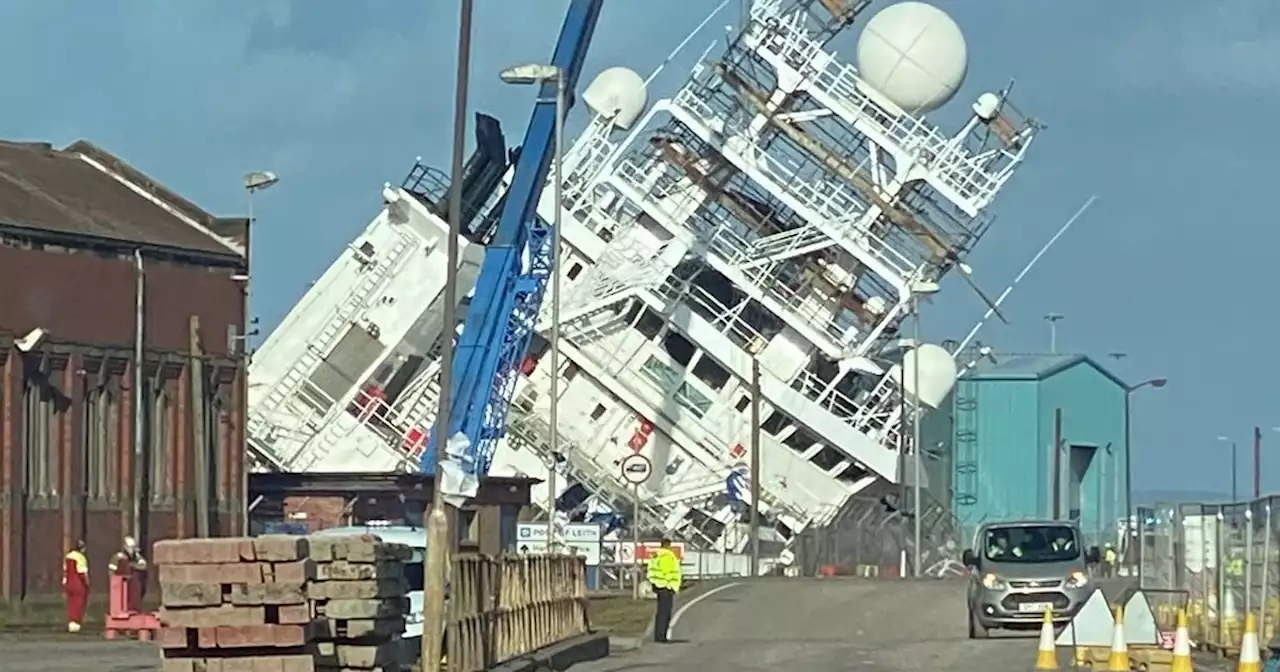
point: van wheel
(976, 631)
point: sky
(1161, 108)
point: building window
(159, 442)
(101, 438)
(41, 460)
(597, 412)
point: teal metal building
(992, 452)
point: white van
(413, 537)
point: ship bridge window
(853, 473)
(574, 271)
(679, 347)
(828, 458)
(801, 440)
(742, 404)
(668, 381)
(342, 368)
(649, 323)
(597, 412)
(776, 423)
(711, 373)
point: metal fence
(873, 536)
(1225, 560)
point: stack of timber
(282, 604)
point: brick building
(95, 441)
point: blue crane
(504, 309)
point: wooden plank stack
(282, 604)
(235, 605)
(360, 597)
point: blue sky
(1161, 108)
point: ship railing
(831, 202)
(946, 159)
(726, 320)
(586, 159)
(722, 241)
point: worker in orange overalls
(75, 585)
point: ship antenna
(1025, 269)
(685, 42)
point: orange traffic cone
(1047, 656)
(1250, 657)
(1118, 661)
(1181, 646)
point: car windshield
(1031, 543)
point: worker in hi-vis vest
(75, 585)
(664, 577)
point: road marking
(675, 618)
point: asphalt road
(813, 625)
(833, 624)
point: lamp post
(917, 289)
(1053, 319)
(436, 563)
(1128, 453)
(253, 183)
(1234, 461)
(540, 74)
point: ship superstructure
(777, 213)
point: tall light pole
(253, 183)
(540, 74)
(918, 289)
(436, 564)
(1053, 319)
(1128, 454)
(1234, 461)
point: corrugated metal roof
(46, 189)
(1033, 367)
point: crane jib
(504, 309)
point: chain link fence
(874, 536)
(1222, 559)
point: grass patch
(620, 615)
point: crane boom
(508, 295)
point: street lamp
(254, 182)
(539, 74)
(917, 289)
(1128, 454)
(1234, 460)
(1052, 319)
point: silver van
(1021, 569)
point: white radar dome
(619, 93)
(913, 54)
(937, 373)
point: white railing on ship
(735, 250)
(832, 203)
(950, 161)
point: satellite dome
(938, 373)
(913, 54)
(619, 93)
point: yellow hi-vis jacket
(664, 570)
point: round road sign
(636, 469)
